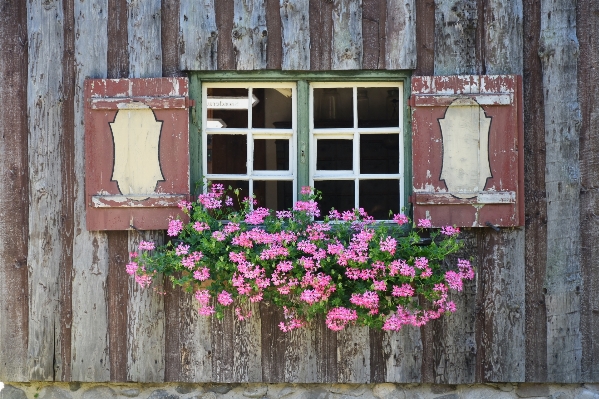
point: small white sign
(216, 124)
(230, 102)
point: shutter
(137, 152)
(467, 150)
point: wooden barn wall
(68, 310)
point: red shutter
(467, 150)
(137, 152)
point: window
(342, 134)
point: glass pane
(334, 154)
(379, 153)
(227, 153)
(338, 194)
(230, 186)
(273, 109)
(228, 108)
(378, 106)
(271, 154)
(333, 108)
(277, 195)
(378, 197)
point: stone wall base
(295, 391)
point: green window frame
(303, 81)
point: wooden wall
(69, 312)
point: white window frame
(252, 134)
(353, 134)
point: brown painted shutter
(467, 150)
(137, 152)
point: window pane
(334, 154)
(333, 108)
(378, 197)
(379, 153)
(338, 194)
(273, 109)
(277, 195)
(378, 107)
(230, 186)
(227, 153)
(223, 103)
(271, 154)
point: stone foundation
(295, 391)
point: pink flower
(388, 245)
(338, 318)
(400, 219)
(146, 245)
(182, 249)
(218, 236)
(200, 226)
(184, 205)
(202, 274)
(310, 296)
(306, 190)
(229, 201)
(454, 280)
(404, 290)
(225, 298)
(203, 297)
(420, 263)
(174, 227)
(284, 215)
(241, 316)
(466, 270)
(310, 207)
(424, 223)
(450, 231)
(131, 268)
(143, 280)
(379, 285)
(206, 310)
(369, 299)
(132, 254)
(257, 216)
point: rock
(348, 389)
(74, 386)
(184, 388)
(162, 394)
(51, 392)
(221, 388)
(442, 388)
(584, 394)
(450, 396)
(99, 393)
(532, 390)
(130, 393)
(10, 392)
(484, 392)
(208, 395)
(255, 391)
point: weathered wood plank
(295, 32)
(559, 57)
(425, 37)
(174, 306)
(501, 257)
(199, 35)
(274, 54)
(374, 17)
(347, 35)
(456, 30)
(587, 26)
(117, 281)
(353, 355)
(170, 34)
(325, 344)
(117, 288)
(143, 28)
(402, 353)
(90, 357)
(44, 108)
(222, 333)
(14, 193)
(145, 337)
(118, 51)
(62, 367)
(501, 347)
(249, 34)
(247, 345)
(145, 334)
(401, 34)
(224, 21)
(450, 344)
(535, 207)
(195, 340)
(321, 34)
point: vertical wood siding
(532, 313)
(14, 193)
(558, 51)
(90, 346)
(587, 26)
(44, 108)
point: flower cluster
(347, 266)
